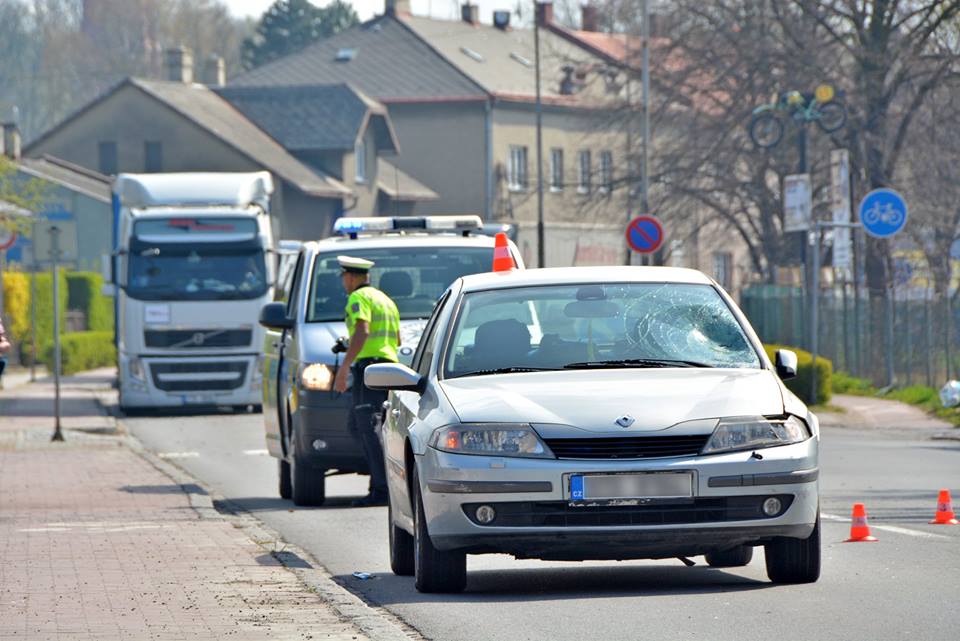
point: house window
(360, 155)
(723, 269)
(107, 158)
(556, 169)
(517, 168)
(152, 156)
(606, 171)
(583, 172)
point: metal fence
(852, 330)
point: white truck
(192, 265)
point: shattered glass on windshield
(594, 326)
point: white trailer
(192, 265)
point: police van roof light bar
(384, 224)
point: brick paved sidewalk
(96, 543)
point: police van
(416, 259)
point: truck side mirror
(274, 316)
(786, 364)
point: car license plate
(650, 485)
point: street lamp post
(541, 249)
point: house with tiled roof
(330, 148)
(461, 97)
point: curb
(377, 623)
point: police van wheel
(286, 484)
(308, 485)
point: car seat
(500, 343)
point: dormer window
(360, 156)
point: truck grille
(197, 338)
(198, 377)
(633, 447)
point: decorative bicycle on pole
(768, 123)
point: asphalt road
(904, 587)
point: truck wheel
(735, 558)
(434, 570)
(307, 485)
(794, 560)
(401, 547)
(286, 485)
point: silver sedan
(596, 413)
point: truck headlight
(317, 377)
(755, 432)
(490, 439)
(135, 367)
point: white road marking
(888, 528)
(178, 454)
(256, 452)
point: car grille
(634, 447)
(198, 377)
(669, 512)
(197, 338)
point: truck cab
(416, 260)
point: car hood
(316, 339)
(592, 400)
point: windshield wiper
(504, 370)
(635, 362)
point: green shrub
(85, 295)
(800, 385)
(844, 383)
(916, 395)
(81, 351)
(16, 303)
(45, 308)
(17, 311)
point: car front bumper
(537, 519)
(322, 418)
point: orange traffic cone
(502, 260)
(944, 510)
(859, 530)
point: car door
(289, 360)
(272, 356)
(405, 407)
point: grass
(921, 396)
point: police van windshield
(414, 277)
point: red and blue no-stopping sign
(645, 234)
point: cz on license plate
(651, 485)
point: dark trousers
(364, 415)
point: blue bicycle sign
(883, 213)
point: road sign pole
(33, 309)
(55, 256)
(814, 309)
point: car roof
(373, 241)
(582, 275)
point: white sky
(368, 8)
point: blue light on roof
(347, 226)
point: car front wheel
(794, 560)
(434, 570)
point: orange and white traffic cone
(859, 530)
(944, 510)
(502, 260)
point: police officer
(374, 326)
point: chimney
(215, 71)
(394, 7)
(11, 141)
(544, 13)
(589, 18)
(470, 13)
(178, 64)
(501, 20)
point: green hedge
(800, 385)
(85, 295)
(81, 351)
(18, 309)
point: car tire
(401, 547)
(794, 560)
(733, 558)
(307, 485)
(434, 570)
(286, 484)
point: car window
(428, 342)
(286, 270)
(573, 324)
(414, 277)
(295, 287)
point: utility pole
(645, 79)
(541, 249)
(55, 257)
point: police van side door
(287, 357)
(272, 354)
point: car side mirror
(274, 316)
(392, 376)
(786, 364)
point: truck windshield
(196, 271)
(414, 277)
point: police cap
(354, 265)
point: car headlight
(755, 432)
(490, 439)
(317, 377)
